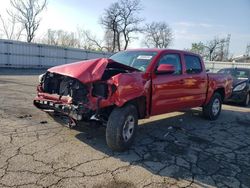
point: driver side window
(172, 59)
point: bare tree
(28, 13)
(110, 20)
(92, 42)
(122, 20)
(212, 46)
(198, 48)
(80, 39)
(158, 35)
(130, 19)
(88, 41)
(61, 38)
(11, 29)
(213, 50)
(108, 40)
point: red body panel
(129, 86)
(175, 92)
(217, 81)
(84, 71)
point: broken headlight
(100, 90)
(41, 78)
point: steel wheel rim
(216, 107)
(128, 128)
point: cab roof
(162, 50)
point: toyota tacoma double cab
(131, 85)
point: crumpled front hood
(89, 70)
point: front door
(167, 89)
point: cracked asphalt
(173, 150)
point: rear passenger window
(172, 59)
(193, 64)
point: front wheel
(121, 127)
(212, 110)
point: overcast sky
(191, 20)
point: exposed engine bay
(64, 86)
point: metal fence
(215, 66)
(30, 55)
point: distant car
(241, 85)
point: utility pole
(227, 43)
(248, 50)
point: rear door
(195, 81)
(167, 89)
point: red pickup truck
(131, 85)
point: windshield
(236, 73)
(137, 59)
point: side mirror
(165, 69)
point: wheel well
(140, 104)
(221, 91)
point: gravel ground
(174, 150)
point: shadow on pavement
(188, 148)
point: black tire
(246, 101)
(119, 119)
(208, 109)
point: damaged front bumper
(71, 110)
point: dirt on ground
(179, 149)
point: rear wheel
(212, 110)
(121, 127)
